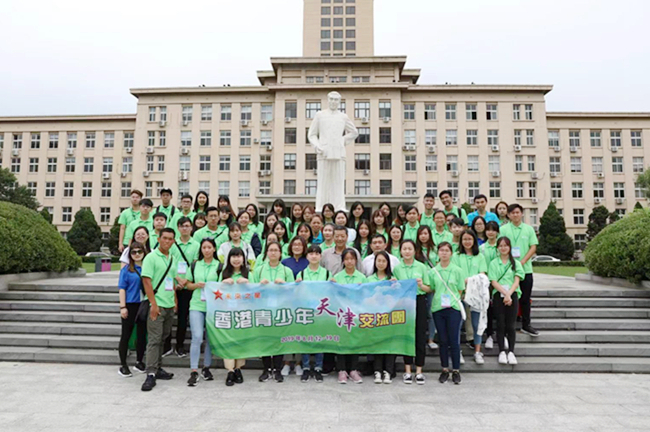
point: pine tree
(114, 237)
(12, 192)
(614, 217)
(638, 206)
(553, 239)
(467, 207)
(46, 215)
(597, 221)
(85, 235)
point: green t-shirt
(130, 229)
(324, 247)
(522, 237)
(170, 211)
(206, 232)
(375, 278)
(153, 239)
(383, 232)
(416, 270)
(153, 267)
(248, 235)
(257, 228)
(265, 271)
(411, 233)
(127, 216)
(308, 275)
(438, 238)
(343, 278)
(202, 273)
(431, 254)
(191, 251)
(452, 275)
(504, 275)
(428, 221)
(173, 224)
(489, 252)
(471, 265)
(395, 251)
(459, 212)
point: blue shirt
(296, 266)
(318, 239)
(489, 216)
(131, 283)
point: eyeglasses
(137, 252)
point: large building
(250, 142)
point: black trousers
(347, 362)
(272, 362)
(421, 328)
(489, 331)
(385, 362)
(183, 314)
(526, 286)
(506, 320)
(127, 330)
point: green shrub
(85, 235)
(559, 264)
(622, 249)
(30, 244)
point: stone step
(587, 336)
(561, 312)
(590, 302)
(591, 292)
(591, 324)
(54, 328)
(526, 364)
(59, 341)
(67, 296)
(57, 285)
(32, 305)
(54, 316)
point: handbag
(463, 314)
(145, 305)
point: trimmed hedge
(559, 264)
(622, 249)
(85, 259)
(30, 244)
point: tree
(467, 207)
(638, 206)
(644, 181)
(553, 239)
(614, 217)
(12, 192)
(85, 235)
(597, 221)
(114, 237)
(46, 215)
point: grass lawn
(560, 271)
(90, 267)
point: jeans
(478, 338)
(526, 286)
(448, 322)
(127, 329)
(184, 297)
(432, 324)
(197, 323)
(157, 332)
(318, 359)
(506, 319)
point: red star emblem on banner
(218, 295)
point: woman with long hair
(248, 233)
(140, 235)
(362, 242)
(328, 213)
(341, 219)
(379, 224)
(269, 222)
(478, 226)
(502, 212)
(400, 218)
(387, 211)
(200, 220)
(395, 237)
(280, 209)
(202, 202)
(224, 201)
(296, 217)
(384, 364)
(256, 225)
(235, 241)
(356, 214)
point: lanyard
(516, 238)
(273, 272)
(408, 269)
(207, 269)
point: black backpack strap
(327, 275)
(219, 269)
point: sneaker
(433, 345)
(239, 378)
(168, 352)
(206, 374)
(124, 372)
(444, 377)
(407, 378)
(266, 375)
(489, 343)
(387, 379)
(140, 367)
(470, 345)
(343, 377)
(277, 376)
(478, 358)
(298, 370)
(162, 374)
(378, 379)
(318, 376)
(462, 359)
(286, 370)
(511, 358)
(356, 377)
(503, 358)
(455, 377)
(149, 382)
(194, 379)
(530, 330)
(230, 379)
(506, 344)
(180, 352)
(419, 379)
(305, 375)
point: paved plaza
(65, 397)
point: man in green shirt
(448, 202)
(144, 220)
(426, 218)
(129, 215)
(524, 246)
(212, 228)
(167, 207)
(159, 222)
(186, 211)
(158, 273)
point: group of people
(470, 268)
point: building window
(107, 189)
(205, 162)
(495, 189)
(224, 164)
(519, 163)
(151, 138)
(431, 163)
(555, 165)
(491, 111)
(597, 165)
(244, 188)
(385, 109)
(410, 163)
(128, 139)
(265, 188)
(635, 137)
(224, 138)
(107, 164)
(311, 163)
(517, 137)
(290, 161)
(361, 110)
(409, 137)
(325, 10)
(385, 161)
(617, 164)
(493, 137)
(290, 136)
(18, 141)
(245, 138)
(90, 140)
(127, 164)
(451, 137)
(226, 112)
(54, 140)
(530, 137)
(619, 190)
(310, 187)
(325, 34)
(163, 113)
(224, 187)
(68, 189)
(267, 112)
(578, 216)
(204, 186)
(580, 241)
(148, 189)
(311, 108)
(574, 138)
(291, 109)
(89, 164)
(452, 163)
(520, 189)
(265, 162)
(362, 161)
(472, 137)
(266, 138)
(384, 135)
(72, 140)
(244, 163)
(325, 22)
(150, 163)
(36, 140)
(70, 164)
(206, 138)
(452, 186)
(494, 163)
(206, 112)
(471, 112)
(186, 138)
(576, 190)
(33, 165)
(411, 188)
(87, 189)
(289, 187)
(187, 113)
(351, 34)
(450, 111)
(594, 137)
(432, 188)
(637, 165)
(50, 187)
(473, 189)
(472, 163)
(531, 163)
(109, 139)
(362, 187)
(349, 22)
(66, 214)
(364, 136)
(152, 114)
(516, 112)
(162, 138)
(639, 191)
(529, 111)
(615, 138)
(553, 138)
(532, 189)
(599, 190)
(556, 190)
(409, 111)
(385, 187)
(246, 112)
(576, 164)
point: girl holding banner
(383, 362)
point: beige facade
(250, 143)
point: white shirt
(369, 263)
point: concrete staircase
(584, 327)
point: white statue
(330, 131)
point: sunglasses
(137, 252)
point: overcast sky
(81, 57)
